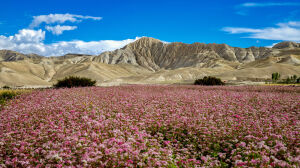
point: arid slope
(149, 61)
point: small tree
(209, 80)
(288, 80)
(74, 81)
(275, 76)
(294, 79)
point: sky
(58, 27)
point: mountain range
(151, 61)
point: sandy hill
(149, 60)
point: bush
(209, 81)
(7, 95)
(275, 76)
(290, 80)
(74, 81)
(5, 87)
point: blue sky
(58, 27)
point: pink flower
(152, 126)
(204, 159)
(240, 163)
(167, 142)
(242, 144)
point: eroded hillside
(149, 60)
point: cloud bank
(31, 41)
(243, 9)
(289, 31)
(59, 18)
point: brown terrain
(150, 61)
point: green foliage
(74, 81)
(294, 78)
(289, 80)
(209, 80)
(172, 165)
(275, 76)
(7, 95)
(224, 164)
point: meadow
(153, 126)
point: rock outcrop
(287, 45)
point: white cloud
(59, 18)
(26, 36)
(252, 4)
(291, 23)
(285, 31)
(58, 29)
(31, 41)
(26, 41)
(243, 9)
(82, 47)
(235, 30)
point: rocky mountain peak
(147, 40)
(154, 54)
(287, 45)
(143, 42)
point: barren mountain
(149, 60)
(154, 54)
(7, 55)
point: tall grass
(8, 94)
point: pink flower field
(153, 126)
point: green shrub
(275, 76)
(74, 81)
(289, 80)
(7, 95)
(294, 79)
(209, 80)
(6, 87)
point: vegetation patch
(8, 94)
(209, 80)
(74, 81)
(289, 80)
